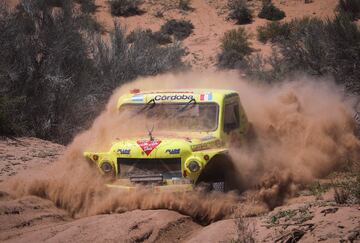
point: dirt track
(34, 219)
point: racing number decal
(148, 145)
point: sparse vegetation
(316, 188)
(350, 8)
(273, 31)
(347, 189)
(356, 187)
(159, 14)
(340, 195)
(185, 5)
(312, 46)
(240, 11)
(125, 7)
(56, 72)
(87, 6)
(157, 37)
(244, 234)
(10, 124)
(270, 12)
(235, 47)
(180, 29)
(290, 216)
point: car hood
(162, 146)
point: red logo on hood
(148, 146)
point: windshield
(188, 116)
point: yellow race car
(185, 146)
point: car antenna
(150, 133)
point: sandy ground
(23, 154)
(209, 18)
(210, 21)
(34, 219)
(303, 219)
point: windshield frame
(182, 103)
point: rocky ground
(304, 218)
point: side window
(231, 117)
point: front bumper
(168, 186)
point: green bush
(356, 188)
(181, 29)
(125, 7)
(161, 38)
(273, 31)
(350, 7)
(54, 3)
(240, 12)
(235, 47)
(11, 123)
(157, 37)
(315, 47)
(87, 6)
(51, 64)
(184, 5)
(270, 12)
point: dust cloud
(304, 130)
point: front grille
(168, 168)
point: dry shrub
(244, 234)
(350, 8)
(51, 63)
(240, 12)
(185, 5)
(235, 46)
(87, 6)
(340, 195)
(125, 7)
(313, 46)
(180, 29)
(273, 32)
(270, 12)
(156, 37)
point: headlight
(106, 167)
(194, 166)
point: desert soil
(304, 218)
(34, 219)
(210, 21)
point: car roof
(175, 95)
(194, 91)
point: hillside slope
(209, 18)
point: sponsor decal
(173, 151)
(207, 138)
(138, 97)
(207, 145)
(173, 97)
(123, 151)
(206, 97)
(148, 145)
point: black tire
(219, 175)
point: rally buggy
(184, 145)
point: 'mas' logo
(173, 97)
